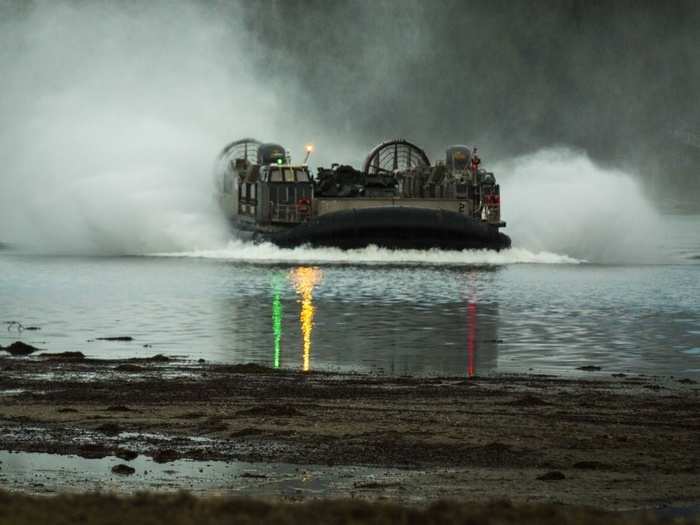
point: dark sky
(613, 78)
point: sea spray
(266, 253)
(558, 200)
(111, 117)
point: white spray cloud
(560, 201)
(111, 118)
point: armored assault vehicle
(398, 199)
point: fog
(113, 113)
(617, 80)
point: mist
(559, 200)
(615, 80)
(113, 113)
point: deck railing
(284, 213)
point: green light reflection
(277, 282)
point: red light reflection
(471, 339)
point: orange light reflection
(305, 278)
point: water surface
(389, 317)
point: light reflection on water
(276, 318)
(392, 319)
(304, 280)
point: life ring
(304, 206)
(492, 199)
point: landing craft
(398, 200)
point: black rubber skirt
(395, 227)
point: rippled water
(455, 314)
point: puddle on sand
(46, 473)
(12, 392)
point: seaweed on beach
(182, 508)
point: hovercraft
(397, 200)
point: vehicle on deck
(397, 200)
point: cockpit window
(288, 175)
(302, 176)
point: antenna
(309, 148)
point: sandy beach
(609, 441)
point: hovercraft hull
(394, 227)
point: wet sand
(611, 442)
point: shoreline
(615, 443)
